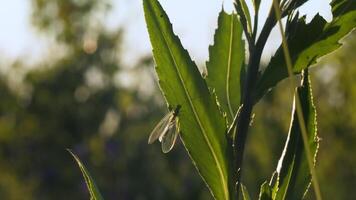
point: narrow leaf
(293, 170)
(225, 63)
(93, 189)
(308, 42)
(247, 15)
(265, 192)
(202, 127)
(245, 194)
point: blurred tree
(69, 20)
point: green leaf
(265, 192)
(244, 12)
(245, 194)
(247, 15)
(202, 127)
(93, 189)
(293, 169)
(225, 63)
(308, 42)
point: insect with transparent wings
(166, 131)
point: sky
(194, 21)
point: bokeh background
(78, 74)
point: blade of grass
(298, 104)
(91, 186)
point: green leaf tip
(265, 192)
(89, 181)
(245, 16)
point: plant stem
(248, 98)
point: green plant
(215, 109)
(210, 103)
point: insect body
(166, 131)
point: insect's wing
(169, 139)
(159, 128)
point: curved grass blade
(202, 127)
(226, 60)
(93, 189)
(308, 42)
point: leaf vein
(229, 66)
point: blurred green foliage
(77, 101)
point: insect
(166, 131)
